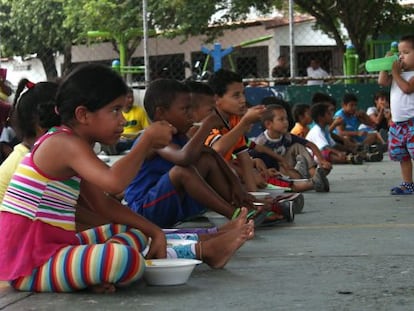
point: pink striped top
(37, 216)
(38, 197)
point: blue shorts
(164, 206)
(401, 141)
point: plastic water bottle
(384, 63)
(380, 64)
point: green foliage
(115, 16)
(31, 26)
(363, 19)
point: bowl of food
(260, 195)
(166, 272)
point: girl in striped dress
(40, 249)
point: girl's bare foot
(218, 251)
(104, 288)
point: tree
(363, 19)
(34, 27)
(123, 19)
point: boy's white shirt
(401, 104)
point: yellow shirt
(136, 120)
(8, 167)
(300, 130)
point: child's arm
(63, 155)
(246, 165)
(227, 141)
(385, 78)
(343, 132)
(115, 212)
(406, 86)
(318, 154)
(191, 152)
(266, 150)
(364, 118)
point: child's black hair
(221, 79)
(349, 97)
(408, 38)
(319, 97)
(268, 114)
(198, 87)
(380, 94)
(319, 110)
(34, 107)
(161, 93)
(299, 111)
(93, 86)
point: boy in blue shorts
(401, 132)
(183, 179)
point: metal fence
(251, 49)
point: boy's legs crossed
(211, 171)
(298, 149)
(188, 182)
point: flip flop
(272, 219)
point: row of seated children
(76, 171)
(340, 133)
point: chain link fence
(251, 49)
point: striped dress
(37, 216)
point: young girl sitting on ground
(34, 111)
(40, 248)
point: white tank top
(402, 105)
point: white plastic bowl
(165, 272)
(259, 194)
(178, 242)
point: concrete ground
(351, 249)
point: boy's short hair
(320, 97)
(161, 93)
(349, 97)
(408, 38)
(268, 113)
(319, 110)
(219, 80)
(299, 110)
(381, 94)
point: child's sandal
(403, 189)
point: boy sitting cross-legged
(320, 135)
(293, 148)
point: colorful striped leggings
(107, 254)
